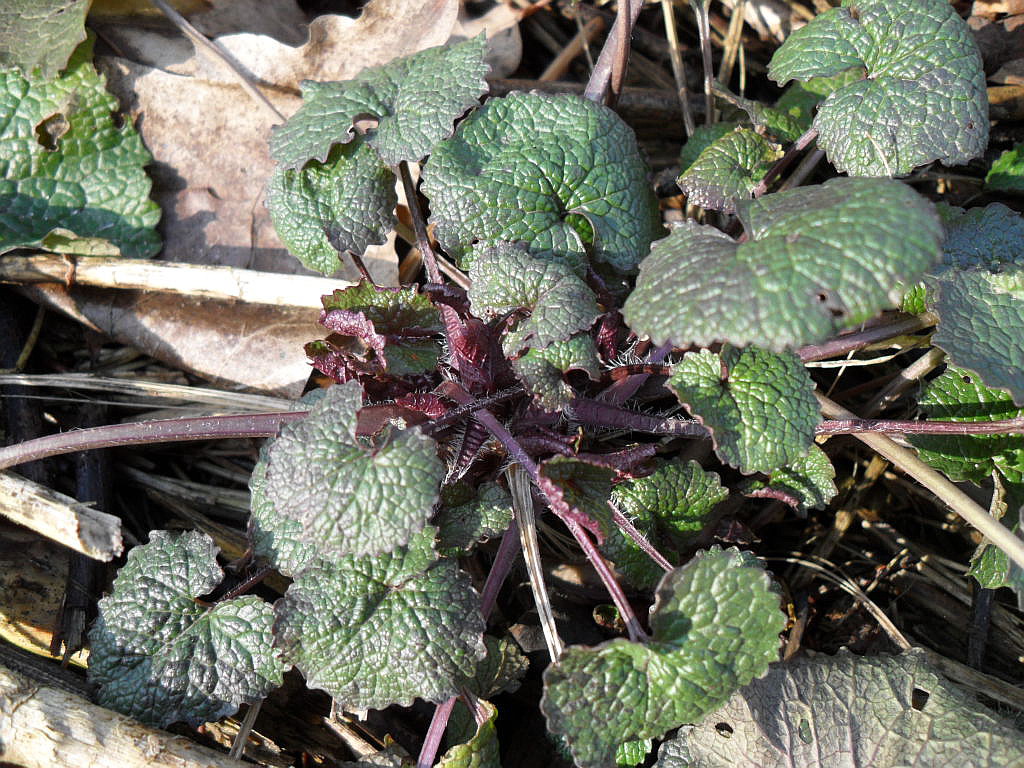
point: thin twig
(419, 224)
(560, 64)
(850, 342)
(952, 496)
(678, 66)
(700, 8)
(212, 48)
(906, 379)
(733, 42)
(854, 426)
(238, 743)
(806, 167)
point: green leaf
(978, 294)
(669, 507)
(469, 516)
(399, 327)
(161, 656)
(376, 631)
(759, 405)
(1007, 172)
(415, 101)
(959, 395)
(542, 370)
(66, 165)
(39, 36)
(499, 671)
(809, 481)
(481, 751)
(557, 172)
(816, 259)
(823, 711)
(922, 95)
(323, 209)
(989, 564)
(584, 487)
(632, 753)
(715, 623)
(556, 301)
(703, 137)
(274, 537)
(350, 498)
(728, 170)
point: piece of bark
(60, 517)
(41, 726)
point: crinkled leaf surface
(978, 294)
(160, 656)
(816, 259)
(922, 97)
(481, 751)
(274, 537)
(703, 137)
(584, 487)
(499, 671)
(715, 627)
(399, 325)
(323, 209)
(631, 753)
(469, 516)
(556, 301)
(38, 36)
(557, 172)
(809, 481)
(352, 498)
(728, 170)
(759, 405)
(826, 711)
(959, 395)
(669, 507)
(66, 165)
(415, 101)
(1007, 172)
(375, 631)
(542, 370)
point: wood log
(41, 727)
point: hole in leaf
(724, 730)
(967, 380)
(919, 698)
(365, 123)
(50, 130)
(804, 730)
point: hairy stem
(785, 161)
(956, 499)
(600, 414)
(851, 342)
(145, 432)
(638, 538)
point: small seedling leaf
(376, 631)
(922, 96)
(759, 405)
(556, 302)
(816, 259)
(469, 516)
(715, 622)
(324, 209)
(557, 172)
(728, 170)
(352, 498)
(543, 370)
(809, 481)
(669, 507)
(1007, 172)
(414, 100)
(161, 656)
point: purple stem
(623, 389)
(518, 455)
(503, 559)
(895, 427)
(601, 414)
(850, 342)
(434, 733)
(144, 432)
(638, 538)
(785, 161)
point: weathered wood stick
(59, 517)
(41, 727)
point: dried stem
(700, 8)
(597, 85)
(419, 224)
(956, 499)
(851, 342)
(678, 66)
